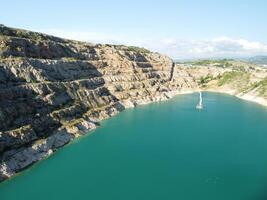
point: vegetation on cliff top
(229, 77)
(21, 33)
(217, 63)
(138, 49)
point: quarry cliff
(53, 90)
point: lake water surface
(161, 151)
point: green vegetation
(218, 63)
(206, 79)
(225, 63)
(262, 87)
(228, 77)
(138, 49)
(20, 33)
(5, 31)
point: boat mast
(200, 98)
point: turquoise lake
(161, 151)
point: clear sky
(179, 28)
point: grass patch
(228, 77)
(218, 63)
(205, 79)
(262, 85)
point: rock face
(53, 90)
(244, 80)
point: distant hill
(258, 60)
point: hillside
(53, 90)
(243, 79)
(262, 60)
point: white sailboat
(200, 105)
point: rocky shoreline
(26, 156)
(53, 90)
(244, 96)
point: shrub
(138, 49)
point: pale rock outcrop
(53, 90)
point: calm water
(160, 151)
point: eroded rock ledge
(53, 90)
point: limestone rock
(53, 90)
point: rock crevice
(53, 90)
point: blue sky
(178, 28)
